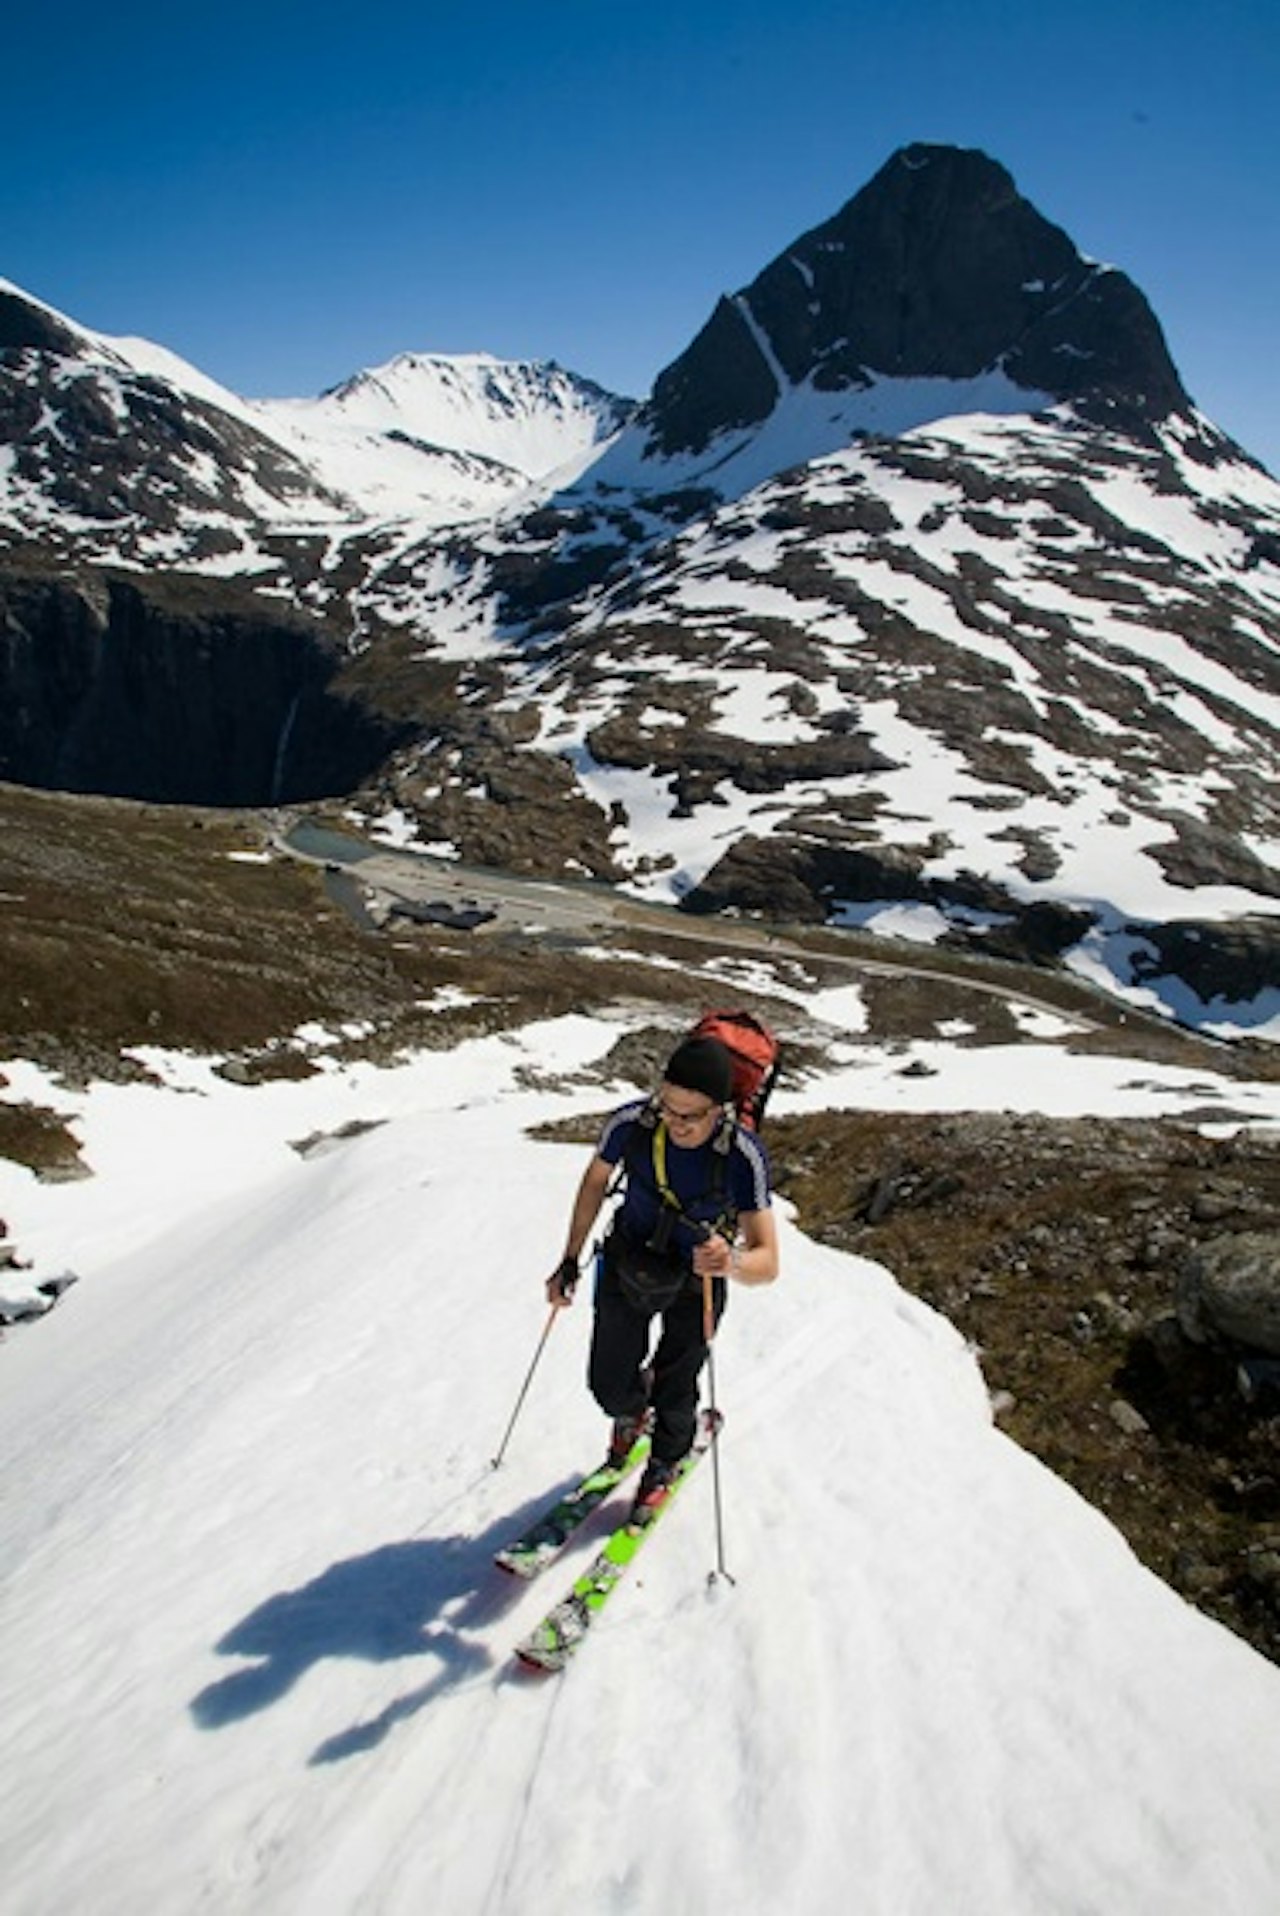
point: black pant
(620, 1349)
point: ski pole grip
(567, 1277)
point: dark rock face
(937, 268)
(123, 689)
(787, 877)
(25, 327)
(697, 760)
(720, 381)
(1232, 961)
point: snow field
(256, 1658)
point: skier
(695, 1212)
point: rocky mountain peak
(937, 269)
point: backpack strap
(716, 1190)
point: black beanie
(702, 1064)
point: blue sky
(285, 193)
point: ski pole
(709, 1332)
(524, 1388)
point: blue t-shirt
(707, 1183)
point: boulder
(1230, 1287)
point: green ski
(551, 1643)
(547, 1536)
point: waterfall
(282, 747)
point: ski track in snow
(256, 1657)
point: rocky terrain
(1064, 1250)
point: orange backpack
(754, 1053)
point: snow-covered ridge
(142, 356)
(257, 1656)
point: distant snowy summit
(527, 414)
(464, 430)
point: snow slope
(805, 423)
(255, 1657)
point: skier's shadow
(419, 1597)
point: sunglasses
(676, 1115)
